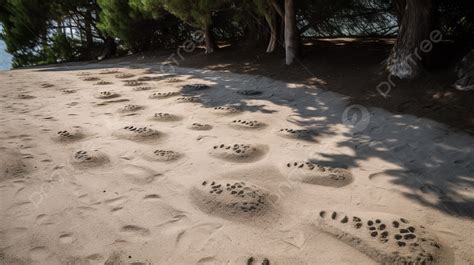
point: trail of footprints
(310, 173)
(188, 100)
(300, 134)
(386, 238)
(244, 124)
(162, 95)
(229, 110)
(383, 237)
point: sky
(5, 58)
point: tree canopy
(52, 31)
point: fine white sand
(244, 170)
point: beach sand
(122, 164)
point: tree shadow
(431, 159)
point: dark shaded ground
(353, 68)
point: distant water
(5, 58)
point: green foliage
(62, 49)
(24, 23)
(140, 25)
(39, 31)
(197, 13)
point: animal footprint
(68, 91)
(159, 95)
(253, 261)
(137, 133)
(165, 117)
(166, 155)
(163, 155)
(68, 136)
(108, 71)
(200, 127)
(296, 134)
(230, 199)
(195, 87)
(124, 76)
(89, 159)
(173, 80)
(241, 153)
(142, 88)
(243, 124)
(12, 165)
(102, 83)
(106, 95)
(227, 110)
(188, 100)
(133, 83)
(386, 238)
(130, 108)
(90, 78)
(310, 173)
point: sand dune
(103, 166)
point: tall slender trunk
(110, 48)
(291, 33)
(399, 6)
(405, 60)
(273, 24)
(88, 28)
(209, 39)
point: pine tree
(197, 13)
(120, 20)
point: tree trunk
(291, 33)
(399, 6)
(88, 28)
(273, 24)
(405, 60)
(110, 48)
(209, 39)
(465, 71)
